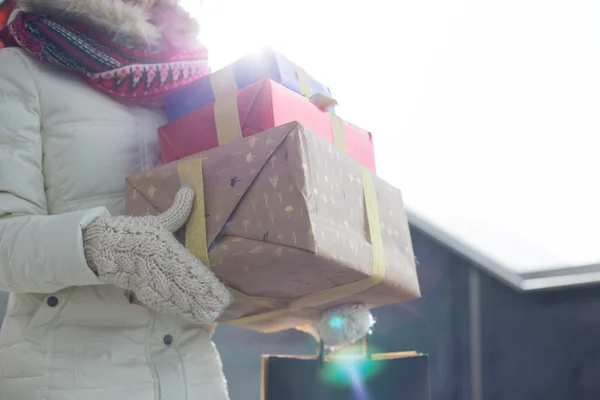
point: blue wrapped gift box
(246, 71)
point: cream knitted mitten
(140, 254)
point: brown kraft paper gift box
(292, 225)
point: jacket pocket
(43, 319)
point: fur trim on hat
(128, 20)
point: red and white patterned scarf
(138, 75)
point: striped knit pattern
(143, 76)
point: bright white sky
(486, 113)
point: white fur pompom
(344, 325)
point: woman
(81, 84)
(66, 145)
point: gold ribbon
(304, 79)
(339, 133)
(265, 301)
(190, 174)
(226, 111)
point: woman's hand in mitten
(140, 254)
(342, 325)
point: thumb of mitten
(178, 214)
(172, 219)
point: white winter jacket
(65, 150)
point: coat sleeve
(39, 253)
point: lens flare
(336, 322)
(349, 368)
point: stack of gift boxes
(289, 213)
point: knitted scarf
(141, 76)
